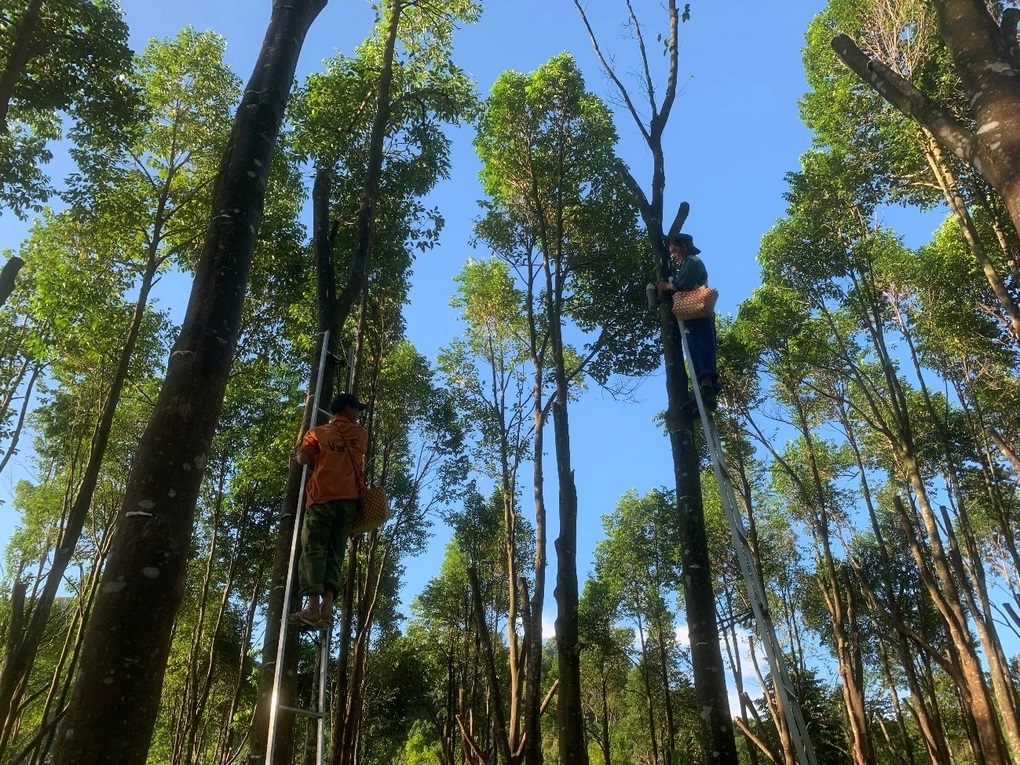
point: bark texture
(113, 707)
(7, 277)
(985, 58)
(19, 56)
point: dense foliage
(870, 414)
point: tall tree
(709, 679)
(487, 370)
(640, 566)
(127, 641)
(829, 252)
(177, 144)
(604, 664)
(548, 167)
(909, 163)
(386, 157)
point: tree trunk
(206, 685)
(63, 675)
(931, 733)
(12, 447)
(325, 312)
(604, 719)
(15, 639)
(333, 311)
(926, 543)
(646, 679)
(669, 740)
(21, 53)
(951, 192)
(23, 658)
(228, 744)
(839, 599)
(717, 738)
(970, 572)
(570, 715)
(533, 633)
(971, 680)
(980, 609)
(342, 686)
(7, 277)
(699, 596)
(489, 660)
(128, 639)
(981, 53)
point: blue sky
(733, 135)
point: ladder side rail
(755, 587)
(323, 652)
(766, 630)
(295, 538)
(281, 645)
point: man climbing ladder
(337, 452)
(690, 280)
(319, 577)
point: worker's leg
(343, 521)
(701, 341)
(315, 536)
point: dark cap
(684, 240)
(338, 403)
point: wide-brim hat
(344, 400)
(684, 240)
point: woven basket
(698, 303)
(373, 510)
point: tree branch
(635, 189)
(681, 217)
(612, 75)
(909, 100)
(470, 740)
(7, 277)
(549, 696)
(644, 58)
(658, 123)
(1008, 30)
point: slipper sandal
(300, 620)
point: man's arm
(309, 447)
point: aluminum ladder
(322, 634)
(755, 588)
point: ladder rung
(300, 711)
(306, 630)
(325, 413)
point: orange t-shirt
(334, 448)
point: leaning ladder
(755, 588)
(322, 636)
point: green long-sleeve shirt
(690, 274)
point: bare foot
(326, 610)
(310, 614)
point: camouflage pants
(324, 535)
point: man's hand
(665, 288)
(301, 458)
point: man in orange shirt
(337, 450)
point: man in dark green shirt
(691, 273)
